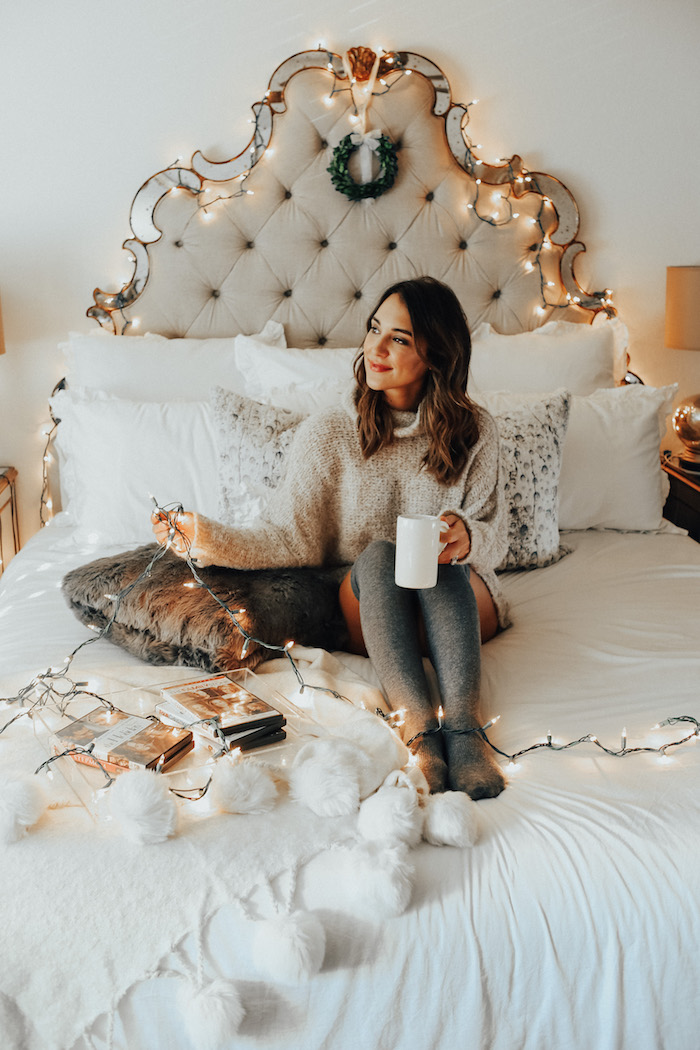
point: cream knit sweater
(332, 502)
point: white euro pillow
(580, 358)
(153, 368)
(298, 380)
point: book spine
(109, 767)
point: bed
(571, 918)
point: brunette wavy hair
(449, 417)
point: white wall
(96, 97)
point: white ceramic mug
(418, 544)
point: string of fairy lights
(494, 204)
(54, 687)
(499, 210)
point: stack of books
(118, 741)
(222, 712)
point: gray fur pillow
(163, 622)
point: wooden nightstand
(683, 503)
(9, 525)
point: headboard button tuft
(287, 194)
(391, 245)
(321, 340)
(215, 293)
(358, 294)
(496, 294)
(250, 244)
(287, 292)
(429, 196)
(324, 243)
(463, 245)
(178, 244)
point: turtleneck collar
(406, 424)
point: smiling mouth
(375, 367)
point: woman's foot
(430, 758)
(471, 766)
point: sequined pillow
(532, 430)
(252, 442)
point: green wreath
(343, 180)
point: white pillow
(297, 380)
(580, 358)
(113, 454)
(611, 476)
(152, 368)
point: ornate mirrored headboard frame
(359, 173)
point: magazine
(121, 741)
(218, 699)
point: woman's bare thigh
(350, 607)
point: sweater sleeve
(297, 527)
(483, 508)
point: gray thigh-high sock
(389, 616)
(453, 634)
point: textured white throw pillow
(580, 358)
(252, 441)
(532, 435)
(113, 454)
(153, 368)
(611, 476)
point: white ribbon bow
(367, 143)
(366, 138)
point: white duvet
(575, 920)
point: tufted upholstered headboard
(220, 248)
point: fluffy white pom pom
(450, 819)
(290, 948)
(391, 814)
(379, 881)
(242, 786)
(21, 805)
(143, 806)
(211, 1013)
(326, 776)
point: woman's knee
(375, 562)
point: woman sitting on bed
(409, 440)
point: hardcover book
(216, 699)
(250, 739)
(122, 741)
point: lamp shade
(683, 307)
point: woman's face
(392, 364)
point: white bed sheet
(574, 922)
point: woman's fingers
(456, 540)
(174, 530)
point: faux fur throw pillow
(163, 622)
